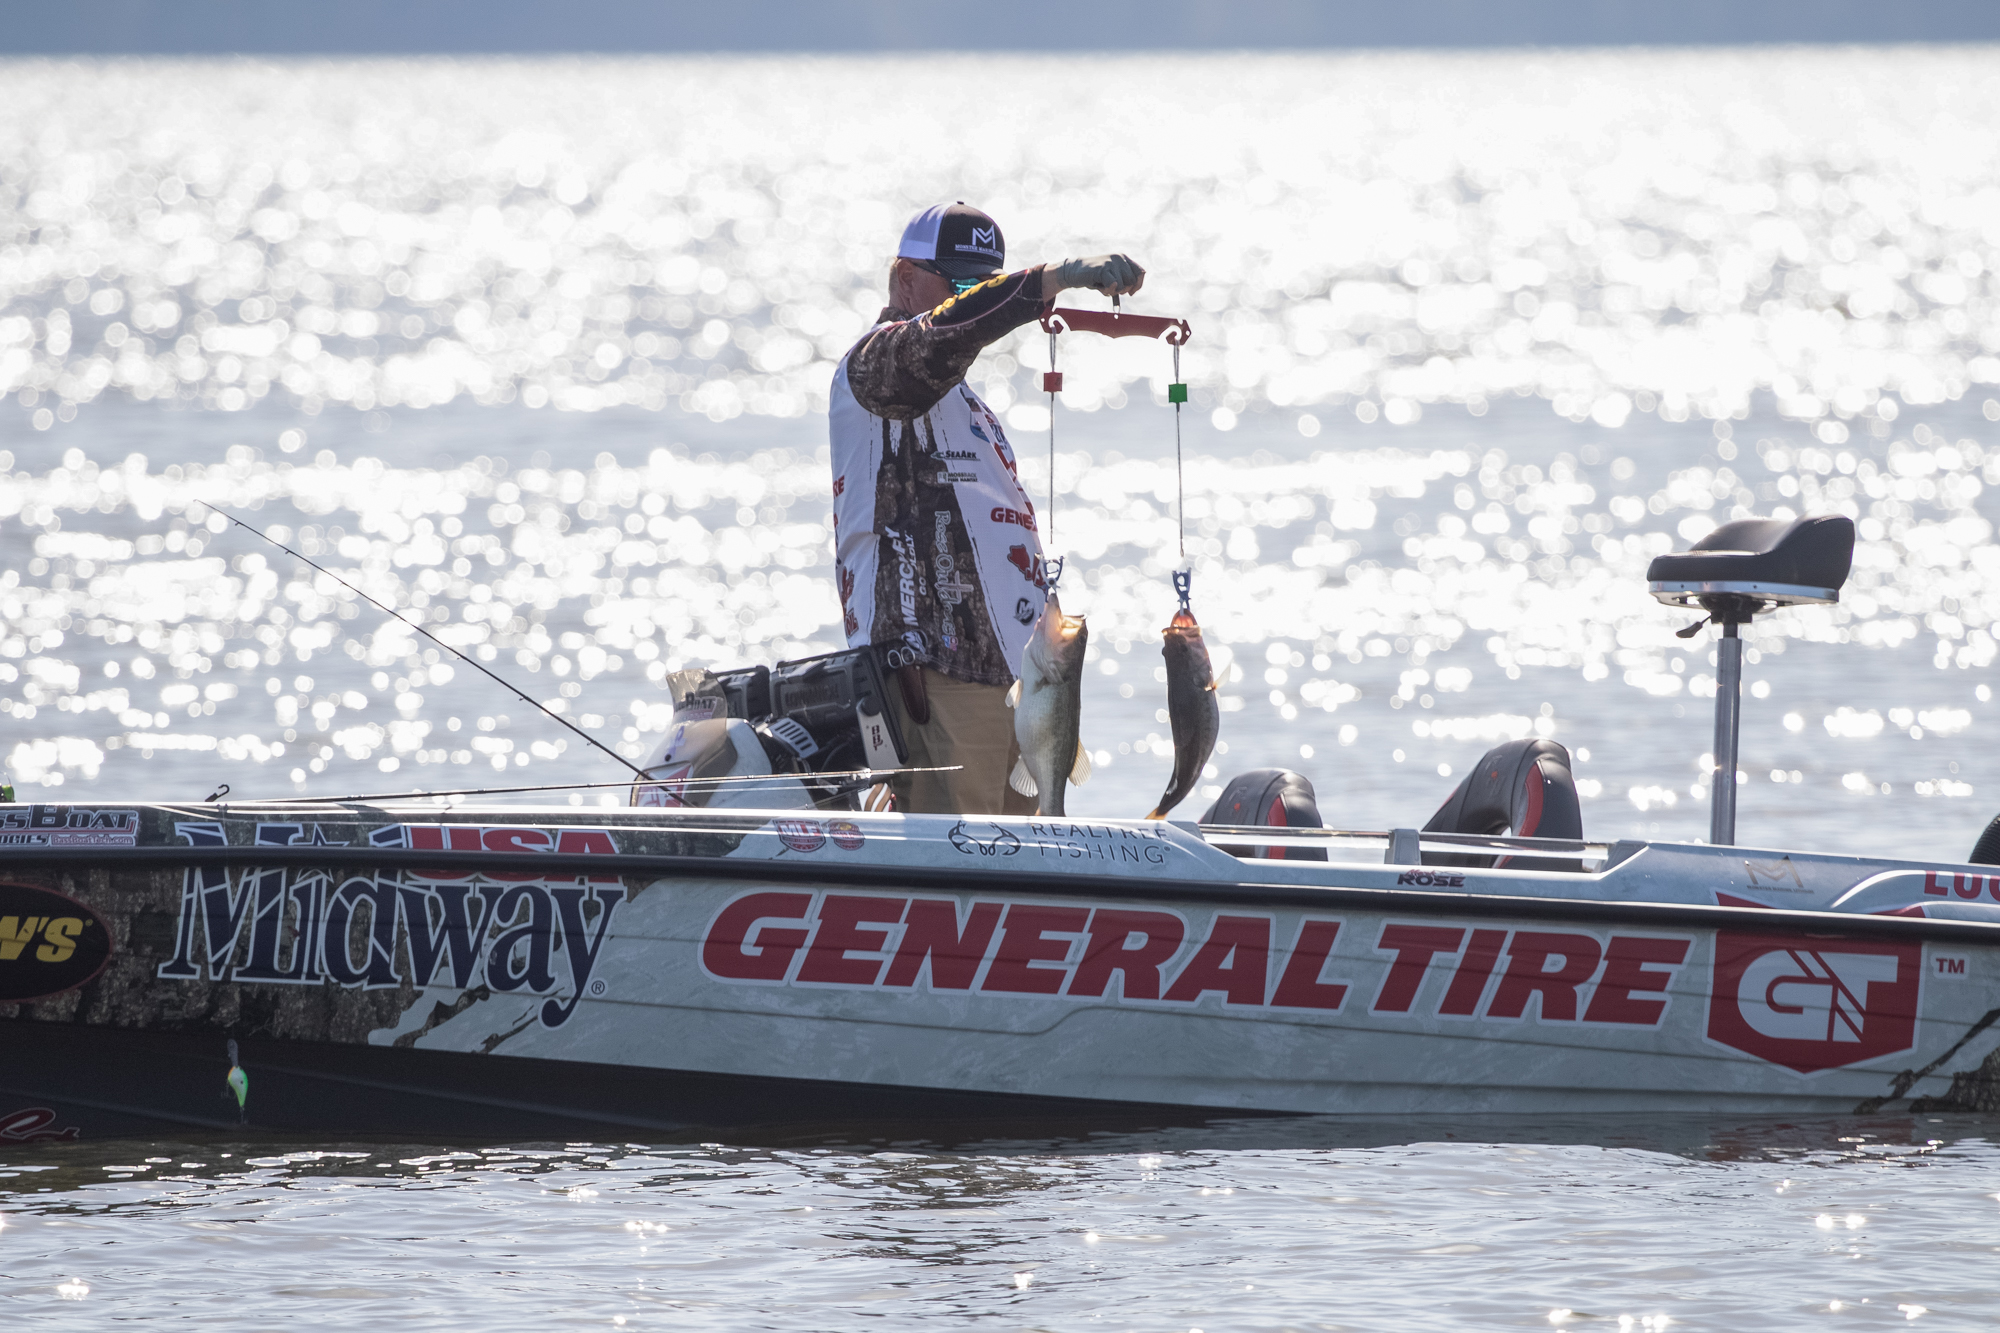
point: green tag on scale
(1177, 393)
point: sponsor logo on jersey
(1033, 568)
(909, 578)
(512, 931)
(951, 589)
(1813, 1004)
(1024, 611)
(1002, 514)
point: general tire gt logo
(1813, 1004)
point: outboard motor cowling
(1270, 798)
(713, 760)
(1523, 787)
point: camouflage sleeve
(902, 370)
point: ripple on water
(1251, 1225)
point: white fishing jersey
(936, 544)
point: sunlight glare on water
(537, 351)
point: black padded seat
(1772, 560)
(1524, 788)
(1268, 798)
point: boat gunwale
(1056, 883)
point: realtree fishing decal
(509, 931)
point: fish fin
(1014, 701)
(1220, 659)
(1080, 771)
(1021, 780)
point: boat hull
(544, 976)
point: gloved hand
(1113, 275)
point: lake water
(538, 352)
(1307, 1225)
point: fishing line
(1177, 394)
(866, 773)
(1052, 383)
(401, 618)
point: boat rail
(1408, 846)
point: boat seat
(1523, 787)
(1269, 798)
(1986, 852)
(1778, 561)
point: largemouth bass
(1047, 701)
(1191, 708)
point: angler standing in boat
(938, 555)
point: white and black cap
(957, 239)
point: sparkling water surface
(536, 352)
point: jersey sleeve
(901, 370)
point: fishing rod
(865, 774)
(400, 617)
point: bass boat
(757, 958)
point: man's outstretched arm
(902, 370)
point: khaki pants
(971, 726)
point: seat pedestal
(1728, 723)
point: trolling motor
(1739, 571)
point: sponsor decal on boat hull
(511, 932)
(68, 826)
(1813, 1004)
(1249, 960)
(49, 944)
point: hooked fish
(1047, 701)
(1191, 708)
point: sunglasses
(959, 286)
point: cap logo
(983, 236)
